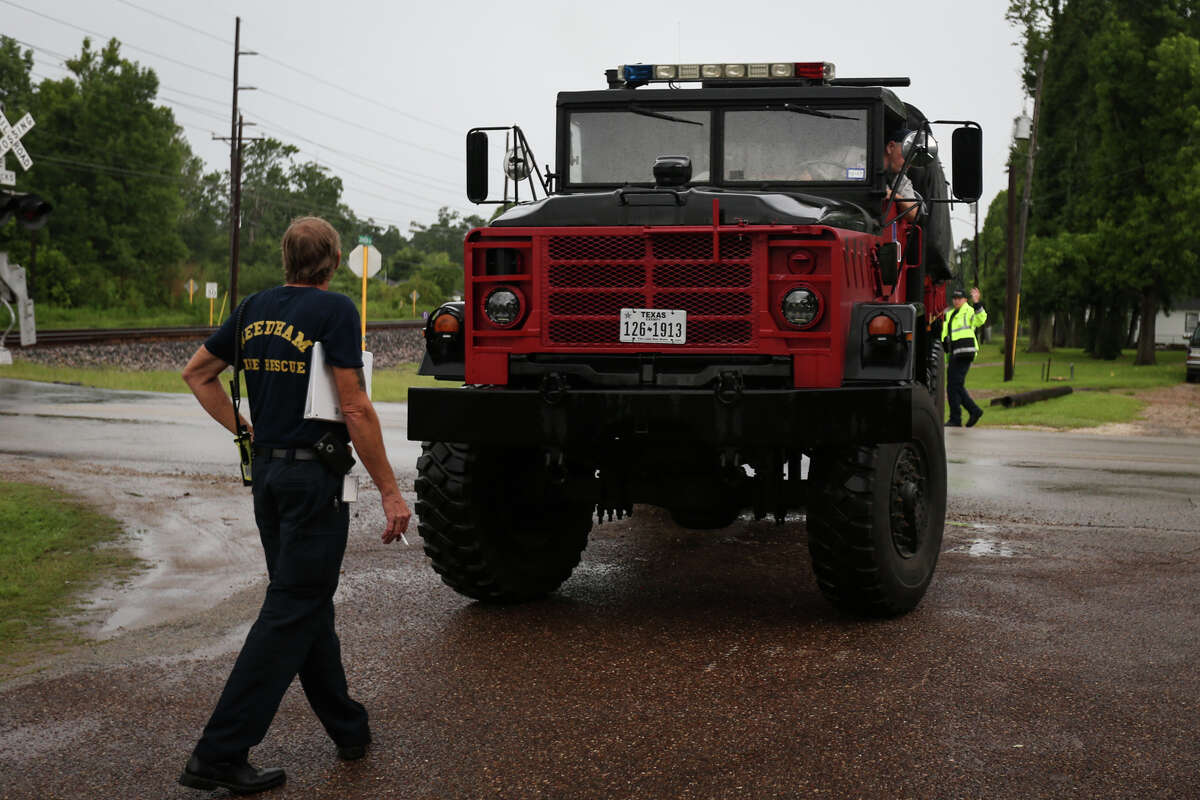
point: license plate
(653, 326)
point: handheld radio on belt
(242, 439)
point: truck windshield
(786, 145)
(618, 147)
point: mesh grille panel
(699, 246)
(588, 248)
(567, 304)
(588, 279)
(584, 331)
(702, 275)
(718, 304)
(719, 331)
(587, 276)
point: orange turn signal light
(881, 325)
(446, 323)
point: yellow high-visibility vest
(960, 325)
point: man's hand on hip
(397, 514)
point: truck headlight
(801, 307)
(503, 307)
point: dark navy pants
(956, 388)
(303, 526)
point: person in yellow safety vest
(961, 347)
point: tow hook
(553, 389)
(729, 388)
(556, 466)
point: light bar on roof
(763, 71)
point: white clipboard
(321, 401)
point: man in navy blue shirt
(298, 506)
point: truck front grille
(588, 279)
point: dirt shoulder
(1169, 411)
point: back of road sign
(355, 261)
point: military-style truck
(719, 302)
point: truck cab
(723, 301)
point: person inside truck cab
(907, 201)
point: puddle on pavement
(980, 548)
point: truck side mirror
(967, 143)
(477, 166)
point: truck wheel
(490, 534)
(875, 521)
(704, 519)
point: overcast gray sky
(401, 82)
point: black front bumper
(772, 418)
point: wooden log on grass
(1025, 398)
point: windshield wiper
(645, 112)
(812, 112)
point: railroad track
(101, 335)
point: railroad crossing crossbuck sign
(10, 139)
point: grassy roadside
(388, 385)
(1102, 394)
(1103, 390)
(51, 549)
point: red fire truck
(719, 302)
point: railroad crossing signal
(10, 139)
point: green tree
(110, 160)
(446, 235)
(1117, 158)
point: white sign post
(10, 139)
(364, 262)
(373, 260)
(210, 291)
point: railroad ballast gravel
(390, 348)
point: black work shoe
(239, 778)
(352, 752)
(953, 424)
(974, 417)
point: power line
(126, 44)
(358, 96)
(357, 126)
(397, 172)
(276, 95)
(342, 89)
(173, 21)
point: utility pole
(1016, 243)
(1010, 299)
(975, 206)
(235, 165)
(1030, 155)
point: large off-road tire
(935, 374)
(876, 516)
(492, 530)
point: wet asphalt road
(1054, 656)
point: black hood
(644, 206)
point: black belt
(290, 453)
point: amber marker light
(881, 325)
(446, 323)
